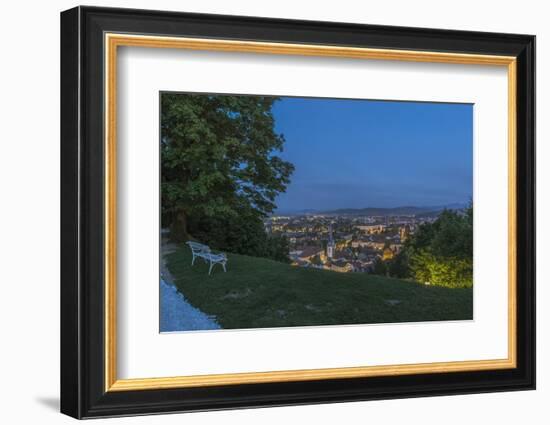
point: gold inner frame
(113, 41)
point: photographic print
(295, 211)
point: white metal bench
(198, 250)
(204, 252)
(214, 259)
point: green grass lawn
(260, 293)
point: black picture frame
(82, 219)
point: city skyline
(371, 153)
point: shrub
(239, 234)
(451, 272)
(440, 253)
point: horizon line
(375, 207)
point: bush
(440, 253)
(380, 267)
(398, 266)
(240, 234)
(451, 272)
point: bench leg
(193, 260)
(210, 269)
(223, 265)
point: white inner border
(143, 352)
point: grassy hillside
(257, 293)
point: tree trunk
(178, 229)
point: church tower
(330, 245)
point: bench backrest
(196, 246)
(218, 257)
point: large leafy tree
(219, 159)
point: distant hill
(406, 210)
(378, 211)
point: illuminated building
(388, 254)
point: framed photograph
(261, 212)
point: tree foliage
(399, 265)
(439, 253)
(452, 272)
(220, 170)
(380, 267)
(240, 234)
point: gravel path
(176, 314)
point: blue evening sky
(364, 153)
